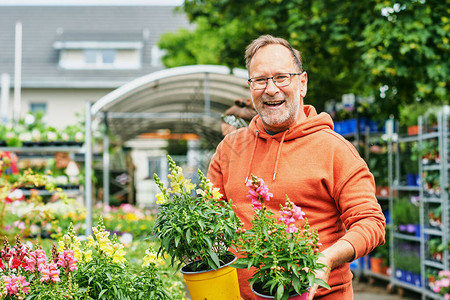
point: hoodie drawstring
(251, 157)
(278, 154)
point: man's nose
(271, 87)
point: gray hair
(265, 40)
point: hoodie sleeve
(361, 212)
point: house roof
(187, 99)
(43, 27)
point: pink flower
(20, 225)
(298, 214)
(31, 262)
(12, 284)
(292, 228)
(68, 260)
(256, 204)
(258, 192)
(290, 214)
(35, 260)
(50, 272)
(127, 208)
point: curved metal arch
(198, 94)
(236, 77)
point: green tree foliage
(407, 49)
(400, 46)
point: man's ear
(303, 84)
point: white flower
(36, 135)
(25, 137)
(64, 136)
(51, 136)
(79, 136)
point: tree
(360, 47)
(407, 50)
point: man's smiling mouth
(274, 103)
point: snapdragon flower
(151, 258)
(290, 214)
(35, 260)
(258, 192)
(13, 284)
(119, 253)
(50, 272)
(67, 260)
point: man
(297, 153)
(237, 116)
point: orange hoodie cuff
(355, 238)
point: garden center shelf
(406, 237)
(434, 264)
(433, 231)
(431, 295)
(70, 193)
(45, 149)
(427, 153)
(43, 153)
(406, 188)
(409, 286)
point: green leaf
(101, 293)
(214, 257)
(279, 293)
(322, 283)
(177, 240)
(188, 235)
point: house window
(99, 57)
(38, 107)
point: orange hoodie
(319, 170)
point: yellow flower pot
(220, 284)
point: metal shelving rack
(425, 202)
(46, 152)
(440, 167)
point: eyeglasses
(280, 80)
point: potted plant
(406, 216)
(434, 216)
(407, 263)
(284, 254)
(409, 115)
(441, 286)
(379, 258)
(196, 227)
(436, 248)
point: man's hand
(334, 256)
(320, 274)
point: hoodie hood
(313, 123)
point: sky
(91, 2)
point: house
(78, 53)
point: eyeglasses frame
(250, 80)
